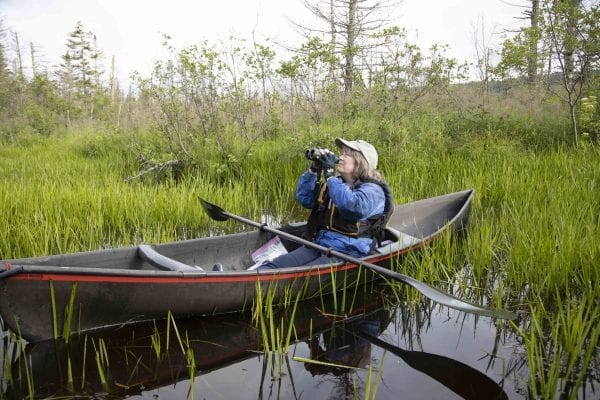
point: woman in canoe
(349, 210)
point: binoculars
(316, 154)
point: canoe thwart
(154, 258)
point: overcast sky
(132, 30)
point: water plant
(275, 329)
(68, 313)
(13, 349)
(156, 340)
(102, 361)
(372, 385)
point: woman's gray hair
(363, 169)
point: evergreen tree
(80, 74)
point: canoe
(53, 296)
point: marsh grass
(532, 240)
(84, 361)
(566, 341)
(102, 361)
(68, 313)
(156, 342)
(324, 363)
(371, 383)
(14, 349)
(275, 329)
(274, 318)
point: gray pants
(302, 256)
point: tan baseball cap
(364, 148)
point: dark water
(409, 352)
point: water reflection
(353, 351)
(346, 346)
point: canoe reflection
(136, 358)
(139, 357)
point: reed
(68, 318)
(560, 353)
(171, 323)
(102, 361)
(70, 382)
(191, 360)
(275, 329)
(68, 313)
(184, 344)
(325, 363)
(14, 350)
(28, 373)
(371, 384)
(53, 307)
(156, 339)
(84, 361)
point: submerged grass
(532, 243)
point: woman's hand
(328, 161)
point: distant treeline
(243, 89)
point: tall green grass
(532, 243)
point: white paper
(267, 252)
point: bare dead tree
(532, 59)
(348, 25)
(483, 53)
(19, 59)
(113, 80)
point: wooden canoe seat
(151, 256)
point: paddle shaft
(429, 291)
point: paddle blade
(215, 212)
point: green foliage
(570, 31)
(589, 118)
(517, 52)
(219, 121)
(44, 105)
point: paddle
(218, 214)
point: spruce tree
(80, 74)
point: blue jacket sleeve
(356, 203)
(305, 189)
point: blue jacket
(358, 203)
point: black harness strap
(375, 225)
